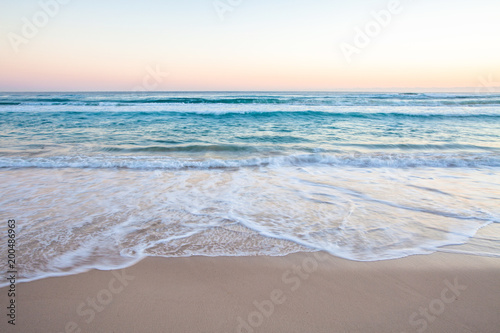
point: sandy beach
(303, 292)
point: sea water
(101, 180)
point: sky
(258, 45)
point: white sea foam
(365, 160)
(72, 220)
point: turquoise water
(104, 179)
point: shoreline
(301, 292)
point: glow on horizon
(260, 45)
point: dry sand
(297, 293)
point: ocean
(101, 180)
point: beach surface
(303, 292)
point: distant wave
(430, 113)
(375, 160)
(408, 99)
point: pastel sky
(87, 45)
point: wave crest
(357, 160)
